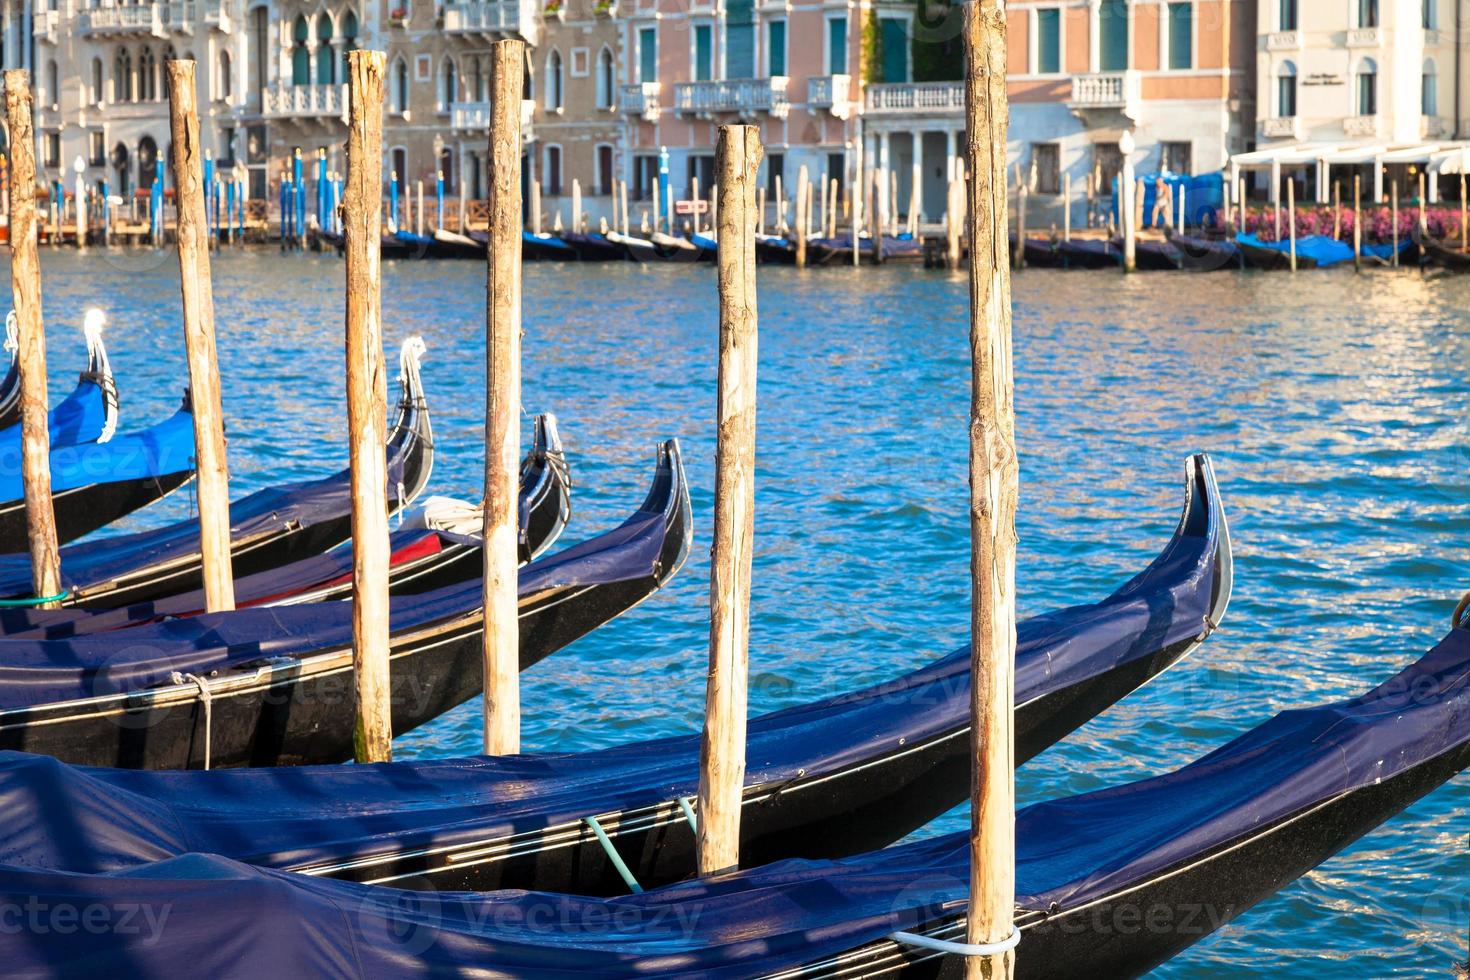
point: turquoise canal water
(1335, 408)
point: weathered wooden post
(503, 402)
(367, 408)
(1019, 258)
(916, 200)
(576, 206)
(994, 489)
(536, 207)
(1066, 207)
(627, 222)
(1126, 203)
(760, 211)
(694, 189)
(1337, 210)
(1464, 232)
(658, 194)
(1291, 219)
(953, 218)
(1393, 219)
(1357, 222)
(192, 235)
(831, 229)
(722, 753)
(802, 194)
(1423, 218)
(25, 283)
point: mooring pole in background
(802, 193)
(1357, 222)
(25, 283)
(1127, 205)
(722, 754)
(1291, 219)
(1393, 219)
(192, 237)
(503, 402)
(994, 490)
(367, 406)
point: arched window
(147, 76)
(1367, 86)
(99, 93)
(326, 65)
(553, 81)
(300, 57)
(122, 77)
(398, 92)
(448, 84)
(605, 79)
(147, 161)
(226, 77)
(349, 37)
(1429, 89)
(1286, 90)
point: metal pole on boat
(25, 283)
(367, 406)
(802, 190)
(722, 754)
(1291, 219)
(994, 489)
(1357, 222)
(192, 237)
(503, 402)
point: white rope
(959, 949)
(409, 357)
(206, 699)
(92, 323)
(12, 332)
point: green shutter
(776, 47)
(704, 68)
(1049, 41)
(739, 39)
(1181, 36)
(648, 54)
(837, 46)
(1113, 28)
(895, 39)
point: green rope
(41, 601)
(612, 854)
(688, 813)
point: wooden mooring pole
(503, 402)
(25, 283)
(192, 236)
(994, 490)
(1393, 220)
(1291, 219)
(722, 753)
(1357, 222)
(367, 409)
(803, 207)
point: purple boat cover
(289, 817)
(205, 914)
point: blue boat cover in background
(80, 418)
(1204, 196)
(286, 817)
(165, 448)
(1324, 250)
(202, 914)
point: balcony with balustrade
(1284, 41)
(158, 19)
(640, 100)
(1281, 127)
(492, 19)
(45, 25)
(1107, 93)
(923, 98)
(474, 117)
(829, 92)
(1364, 37)
(738, 97)
(285, 101)
(1360, 127)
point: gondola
(775, 250)
(1206, 254)
(1445, 256)
(88, 414)
(543, 247)
(593, 247)
(438, 545)
(452, 245)
(1109, 883)
(1041, 253)
(269, 528)
(1090, 253)
(10, 384)
(268, 687)
(1317, 252)
(837, 776)
(1151, 255)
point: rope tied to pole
(959, 949)
(35, 600)
(206, 698)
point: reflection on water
(1334, 407)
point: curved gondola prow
(546, 484)
(1204, 511)
(411, 441)
(679, 510)
(99, 370)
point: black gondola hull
(82, 510)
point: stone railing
(829, 92)
(1364, 37)
(492, 18)
(640, 100)
(1284, 41)
(44, 25)
(1282, 127)
(475, 116)
(1105, 90)
(737, 96)
(298, 101)
(910, 97)
(1360, 126)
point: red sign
(691, 207)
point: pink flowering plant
(1322, 219)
